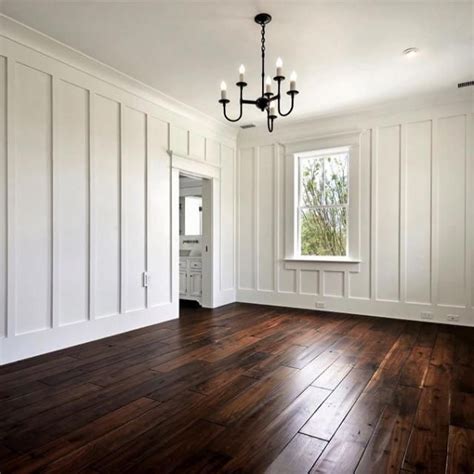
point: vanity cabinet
(190, 278)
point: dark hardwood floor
(247, 388)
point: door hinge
(146, 279)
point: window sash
(322, 155)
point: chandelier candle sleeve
(279, 66)
(241, 73)
(268, 102)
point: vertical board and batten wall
(416, 205)
(85, 201)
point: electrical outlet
(320, 304)
(453, 317)
(426, 315)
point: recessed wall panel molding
(179, 140)
(360, 282)
(228, 197)
(388, 213)
(265, 220)
(246, 235)
(309, 282)
(197, 145)
(212, 151)
(333, 284)
(159, 217)
(33, 199)
(3, 195)
(134, 181)
(107, 206)
(452, 196)
(71, 200)
(418, 196)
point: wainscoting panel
(33, 200)
(451, 162)
(416, 218)
(246, 235)
(85, 198)
(106, 217)
(265, 218)
(3, 195)
(387, 219)
(71, 203)
(134, 181)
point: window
(322, 203)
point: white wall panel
(212, 151)
(418, 211)
(246, 240)
(3, 194)
(159, 218)
(179, 140)
(33, 192)
(71, 197)
(227, 200)
(134, 209)
(451, 161)
(265, 218)
(388, 213)
(197, 145)
(106, 192)
(309, 282)
(359, 282)
(333, 283)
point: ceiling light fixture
(267, 102)
(410, 52)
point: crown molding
(33, 39)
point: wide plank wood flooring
(247, 388)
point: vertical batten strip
(10, 324)
(237, 216)
(373, 213)
(402, 255)
(435, 213)
(92, 248)
(55, 185)
(122, 227)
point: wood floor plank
(247, 388)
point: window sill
(323, 259)
(323, 263)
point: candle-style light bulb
(279, 66)
(241, 73)
(268, 85)
(272, 111)
(293, 81)
(223, 90)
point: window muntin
(323, 200)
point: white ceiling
(348, 55)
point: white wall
(85, 198)
(416, 219)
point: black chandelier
(266, 102)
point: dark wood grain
(247, 388)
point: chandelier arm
(241, 107)
(279, 102)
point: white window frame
(294, 151)
(320, 153)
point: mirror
(190, 215)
